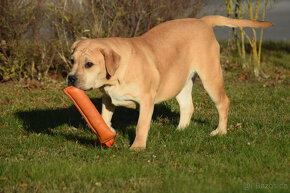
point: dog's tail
(216, 20)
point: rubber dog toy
(91, 115)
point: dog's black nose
(71, 80)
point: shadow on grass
(44, 121)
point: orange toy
(91, 115)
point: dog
(141, 71)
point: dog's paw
(180, 128)
(113, 130)
(218, 132)
(137, 146)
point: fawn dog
(141, 71)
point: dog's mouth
(88, 89)
(77, 85)
(83, 88)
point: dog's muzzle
(71, 80)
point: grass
(45, 146)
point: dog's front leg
(107, 111)
(143, 126)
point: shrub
(36, 35)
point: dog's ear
(74, 45)
(112, 61)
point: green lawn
(45, 146)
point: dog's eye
(72, 61)
(89, 64)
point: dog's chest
(120, 97)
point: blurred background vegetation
(36, 35)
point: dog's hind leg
(212, 79)
(184, 99)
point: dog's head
(93, 64)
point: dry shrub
(36, 35)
